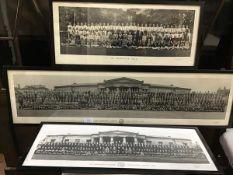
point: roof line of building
(106, 81)
(156, 137)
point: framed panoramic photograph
(130, 147)
(125, 34)
(171, 98)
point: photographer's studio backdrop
(26, 40)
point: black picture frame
(122, 119)
(107, 170)
(125, 61)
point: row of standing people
(129, 36)
(127, 101)
(118, 149)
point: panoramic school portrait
(105, 146)
(145, 98)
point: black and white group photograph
(65, 95)
(120, 147)
(125, 31)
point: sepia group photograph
(123, 97)
(125, 34)
(119, 147)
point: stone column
(111, 140)
(135, 140)
(63, 138)
(101, 140)
(92, 139)
(124, 140)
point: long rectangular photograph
(119, 147)
(125, 34)
(122, 97)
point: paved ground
(123, 114)
(121, 158)
(124, 52)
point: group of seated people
(125, 35)
(139, 149)
(124, 100)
